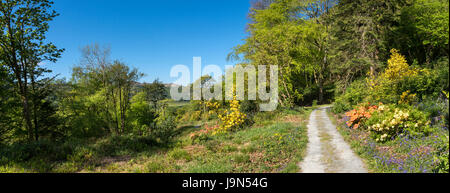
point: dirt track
(327, 151)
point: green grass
(177, 103)
(276, 143)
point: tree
(271, 42)
(294, 36)
(423, 31)
(260, 4)
(104, 88)
(155, 92)
(121, 79)
(360, 30)
(318, 37)
(10, 115)
(23, 47)
(141, 115)
(91, 98)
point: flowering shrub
(389, 121)
(398, 67)
(404, 154)
(359, 115)
(407, 98)
(386, 87)
(213, 107)
(231, 118)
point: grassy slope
(255, 149)
(275, 143)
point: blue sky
(151, 35)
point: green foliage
(155, 92)
(321, 47)
(165, 127)
(249, 107)
(241, 158)
(361, 43)
(425, 84)
(279, 35)
(10, 112)
(442, 154)
(314, 104)
(355, 94)
(423, 30)
(24, 24)
(141, 115)
(154, 167)
(389, 121)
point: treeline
(323, 46)
(103, 96)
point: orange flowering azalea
(358, 115)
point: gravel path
(327, 151)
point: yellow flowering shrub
(213, 107)
(398, 67)
(407, 98)
(385, 87)
(390, 121)
(231, 118)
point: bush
(355, 94)
(425, 83)
(44, 149)
(389, 121)
(165, 128)
(232, 118)
(249, 107)
(358, 116)
(400, 78)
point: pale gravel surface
(317, 158)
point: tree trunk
(36, 129)
(26, 109)
(320, 91)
